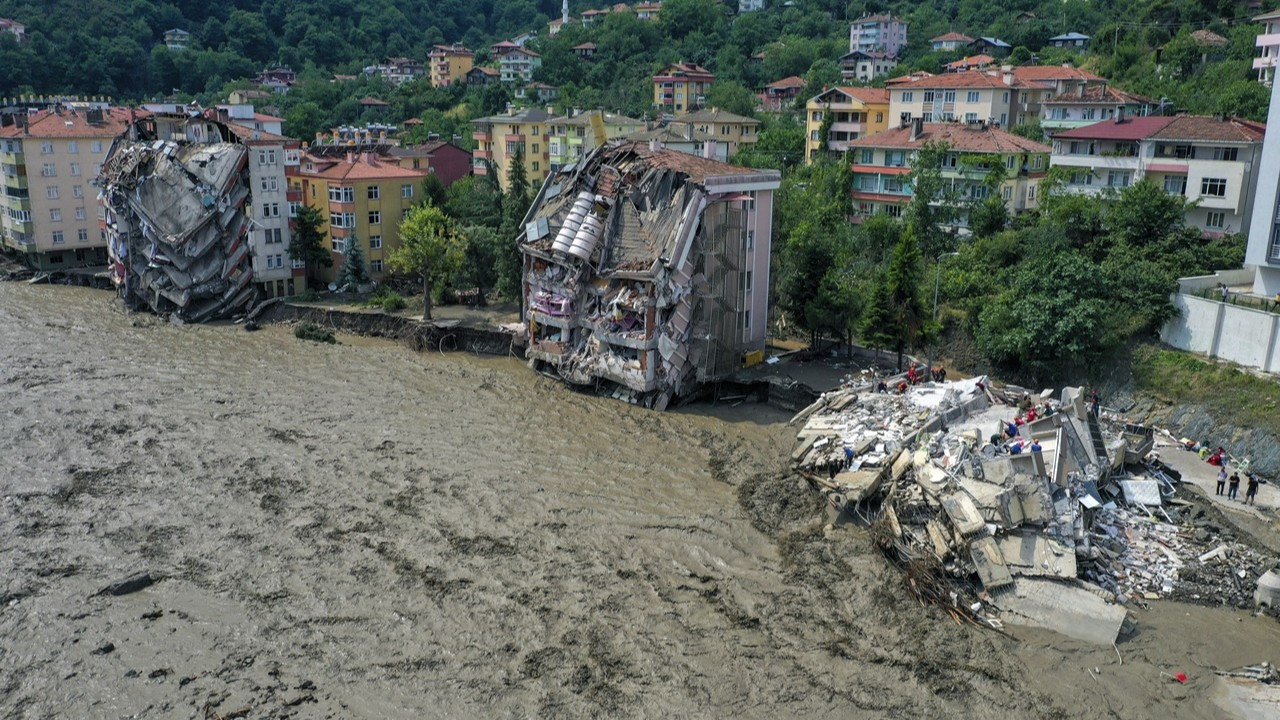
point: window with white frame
(51, 192)
(375, 242)
(293, 209)
(82, 235)
(375, 217)
(95, 146)
(77, 191)
(73, 147)
(79, 213)
(48, 170)
(1215, 220)
(374, 192)
(375, 266)
(58, 238)
(1119, 178)
(406, 190)
(46, 148)
(1226, 153)
(55, 214)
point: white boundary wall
(1239, 334)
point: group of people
(1232, 485)
(916, 374)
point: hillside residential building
(14, 28)
(1212, 162)
(855, 112)
(1045, 81)
(682, 137)
(500, 138)
(483, 76)
(681, 86)
(273, 161)
(278, 79)
(437, 157)
(248, 96)
(397, 70)
(244, 115)
(590, 17)
(1071, 41)
(949, 42)
(574, 136)
(517, 66)
(177, 39)
(1268, 44)
(883, 161)
(362, 192)
(1077, 109)
(646, 272)
(746, 6)
(499, 49)
(586, 50)
(1263, 251)
(878, 32)
(648, 10)
(781, 94)
(50, 210)
(992, 46)
(866, 65)
(993, 97)
(726, 127)
(449, 64)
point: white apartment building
(1212, 162)
(1263, 251)
(1268, 44)
(973, 96)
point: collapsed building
(1045, 513)
(175, 188)
(646, 271)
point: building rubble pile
(177, 222)
(1037, 514)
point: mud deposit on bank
(362, 531)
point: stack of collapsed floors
(638, 269)
(177, 226)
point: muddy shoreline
(360, 531)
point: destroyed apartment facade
(1020, 508)
(175, 190)
(646, 271)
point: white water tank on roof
(573, 222)
(585, 241)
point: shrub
(387, 299)
(315, 333)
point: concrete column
(1217, 329)
(1271, 342)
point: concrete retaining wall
(414, 332)
(1239, 334)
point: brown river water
(360, 531)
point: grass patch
(308, 296)
(315, 333)
(1225, 390)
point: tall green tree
(515, 205)
(354, 271)
(808, 255)
(434, 192)
(910, 321)
(307, 242)
(933, 204)
(431, 247)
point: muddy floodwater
(360, 531)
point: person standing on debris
(1251, 490)
(1216, 458)
(881, 387)
(1011, 430)
(1222, 481)
(848, 457)
(1234, 488)
(1094, 401)
(911, 374)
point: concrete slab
(1065, 609)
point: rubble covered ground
(1008, 507)
(175, 192)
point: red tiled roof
(960, 37)
(795, 81)
(1100, 94)
(371, 101)
(695, 167)
(486, 70)
(1133, 129)
(365, 167)
(969, 79)
(246, 134)
(866, 95)
(68, 124)
(971, 61)
(958, 135)
(1040, 73)
(1206, 127)
(262, 117)
(584, 46)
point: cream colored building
(855, 112)
(574, 135)
(500, 138)
(726, 127)
(50, 209)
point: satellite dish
(333, 287)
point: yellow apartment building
(855, 112)
(500, 137)
(449, 64)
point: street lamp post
(937, 280)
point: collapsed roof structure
(1053, 518)
(646, 271)
(175, 189)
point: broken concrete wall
(177, 224)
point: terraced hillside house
(47, 164)
(982, 161)
(363, 191)
(680, 87)
(854, 112)
(1213, 162)
(574, 136)
(729, 128)
(449, 64)
(500, 139)
(992, 97)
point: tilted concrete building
(646, 271)
(175, 192)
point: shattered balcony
(176, 192)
